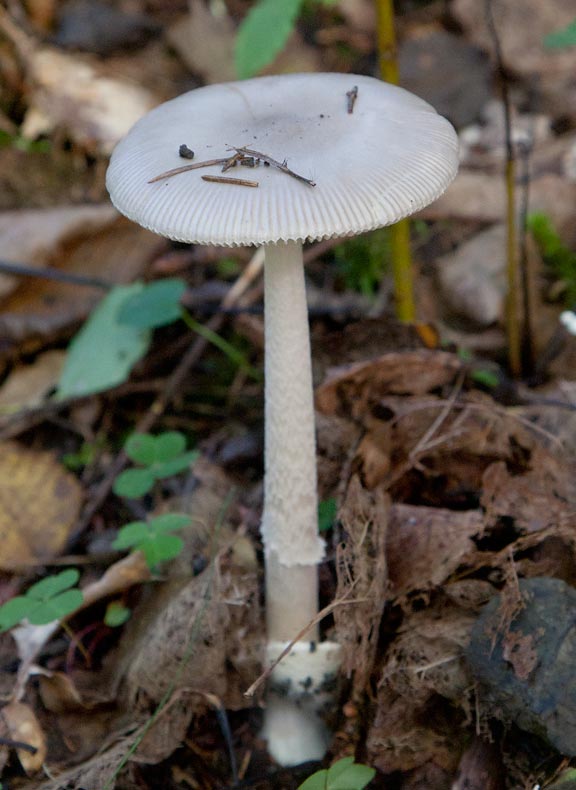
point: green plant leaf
(131, 535)
(52, 585)
(327, 510)
(133, 483)
(47, 600)
(169, 522)
(176, 465)
(104, 351)
(116, 614)
(156, 305)
(56, 608)
(562, 38)
(141, 448)
(168, 445)
(351, 777)
(340, 767)
(13, 611)
(263, 33)
(161, 548)
(345, 774)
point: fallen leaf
(28, 385)
(103, 245)
(37, 237)
(351, 390)
(540, 497)
(39, 505)
(425, 545)
(72, 92)
(23, 726)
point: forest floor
(447, 487)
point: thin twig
(351, 97)
(528, 352)
(26, 747)
(512, 307)
(239, 182)
(273, 163)
(185, 168)
(23, 270)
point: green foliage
(345, 774)
(327, 510)
(8, 140)
(105, 350)
(84, 456)
(158, 456)
(263, 34)
(116, 614)
(155, 305)
(50, 599)
(153, 538)
(362, 260)
(487, 378)
(562, 38)
(559, 258)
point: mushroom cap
(391, 156)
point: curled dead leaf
(39, 504)
(23, 726)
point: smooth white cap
(390, 157)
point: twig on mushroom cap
(240, 182)
(184, 168)
(351, 96)
(249, 152)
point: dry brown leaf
(480, 768)
(28, 385)
(542, 496)
(426, 545)
(350, 391)
(23, 726)
(405, 736)
(362, 575)
(73, 93)
(59, 694)
(39, 504)
(37, 237)
(106, 246)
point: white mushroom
(387, 158)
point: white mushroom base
(301, 688)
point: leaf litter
(450, 505)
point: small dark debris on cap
(185, 152)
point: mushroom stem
(290, 519)
(297, 691)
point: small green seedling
(556, 255)
(116, 614)
(158, 457)
(50, 599)
(345, 774)
(154, 538)
(327, 510)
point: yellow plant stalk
(400, 232)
